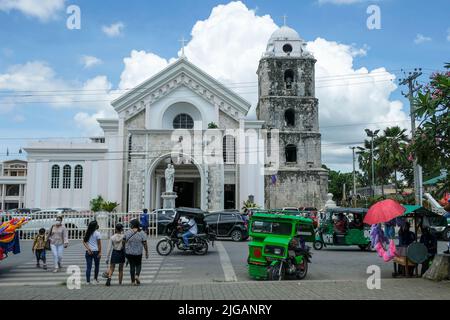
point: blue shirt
(144, 220)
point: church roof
(182, 72)
(284, 33)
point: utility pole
(354, 177)
(372, 134)
(410, 81)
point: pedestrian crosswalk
(155, 270)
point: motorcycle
(295, 264)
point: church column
(157, 203)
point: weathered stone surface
(287, 84)
(439, 269)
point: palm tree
(392, 152)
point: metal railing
(76, 223)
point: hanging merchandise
(9, 236)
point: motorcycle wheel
(164, 247)
(275, 274)
(302, 270)
(318, 245)
(201, 247)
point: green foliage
(336, 183)
(99, 204)
(390, 157)
(96, 204)
(109, 206)
(212, 125)
(431, 143)
(249, 205)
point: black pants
(135, 265)
(40, 255)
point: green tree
(97, 203)
(109, 206)
(336, 183)
(431, 142)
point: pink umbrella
(384, 211)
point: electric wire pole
(411, 81)
(354, 177)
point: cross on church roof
(183, 43)
(285, 20)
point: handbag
(47, 242)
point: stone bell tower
(287, 104)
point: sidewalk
(288, 290)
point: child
(39, 248)
(116, 254)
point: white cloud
(420, 38)
(139, 67)
(36, 83)
(114, 30)
(44, 10)
(229, 44)
(90, 61)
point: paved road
(341, 268)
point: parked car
(440, 226)
(46, 218)
(229, 224)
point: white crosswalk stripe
(155, 270)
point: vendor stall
(9, 236)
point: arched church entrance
(188, 184)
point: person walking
(431, 243)
(116, 254)
(39, 249)
(145, 224)
(135, 243)
(59, 239)
(93, 244)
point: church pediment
(181, 73)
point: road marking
(228, 271)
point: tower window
(291, 153)
(289, 118)
(183, 121)
(289, 78)
(287, 48)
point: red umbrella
(384, 211)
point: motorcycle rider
(192, 230)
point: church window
(55, 177)
(229, 149)
(78, 177)
(287, 48)
(289, 78)
(291, 153)
(183, 121)
(67, 173)
(130, 147)
(289, 118)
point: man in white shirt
(191, 231)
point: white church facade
(185, 117)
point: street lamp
(372, 134)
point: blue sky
(156, 27)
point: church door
(185, 193)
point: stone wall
(297, 188)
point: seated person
(405, 236)
(357, 223)
(191, 226)
(430, 241)
(341, 224)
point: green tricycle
(343, 227)
(278, 248)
